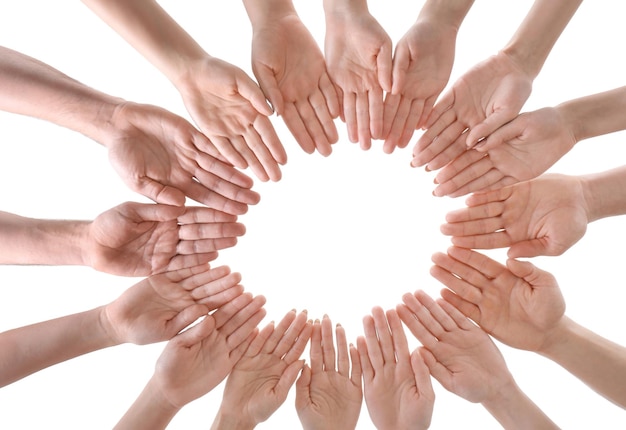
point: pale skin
(194, 362)
(153, 310)
(396, 383)
(358, 55)
(328, 393)
(422, 63)
(291, 71)
(494, 91)
(531, 143)
(260, 381)
(131, 239)
(227, 106)
(464, 359)
(544, 216)
(522, 306)
(156, 153)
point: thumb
(184, 318)
(528, 248)
(303, 395)
(488, 126)
(159, 192)
(288, 378)
(530, 273)
(269, 86)
(151, 212)
(384, 66)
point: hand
(397, 387)
(135, 239)
(518, 151)
(329, 396)
(197, 360)
(162, 156)
(517, 304)
(261, 379)
(291, 71)
(545, 216)
(486, 97)
(460, 355)
(157, 308)
(358, 55)
(422, 64)
(231, 110)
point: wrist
(261, 12)
(345, 7)
(230, 420)
(107, 328)
(445, 12)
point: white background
(337, 235)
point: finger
(422, 375)
(357, 371)
(396, 124)
(243, 329)
(263, 126)
(530, 248)
(464, 289)
(390, 113)
(384, 336)
(228, 149)
(350, 115)
(458, 165)
(426, 111)
(249, 90)
(303, 384)
(530, 273)
(363, 120)
(219, 194)
(489, 125)
(374, 350)
(217, 300)
(491, 180)
(499, 195)
(279, 333)
(297, 347)
(150, 212)
(436, 311)
(287, 379)
(236, 354)
(457, 220)
(447, 154)
(314, 127)
(328, 345)
(257, 344)
(476, 177)
(415, 113)
(483, 265)
(330, 95)
(196, 333)
(384, 65)
(184, 318)
(467, 308)
(476, 227)
(269, 85)
(401, 61)
(158, 192)
(456, 315)
(506, 133)
(315, 351)
(186, 261)
(414, 324)
(291, 334)
(318, 104)
(257, 156)
(366, 365)
(375, 103)
(297, 127)
(343, 360)
(204, 145)
(400, 344)
(211, 281)
(215, 230)
(438, 370)
(500, 239)
(228, 310)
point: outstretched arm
(132, 239)
(464, 359)
(225, 103)
(522, 306)
(153, 310)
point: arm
(261, 379)
(194, 362)
(422, 64)
(224, 102)
(153, 310)
(131, 239)
(464, 359)
(358, 54)
(291, 71)
(523, 307)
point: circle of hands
(474, 136)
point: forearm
(515, 410)
(605, 193)
(32, 88)
(151, 411)
(262, 11)
(344, 7)
(598, 362)
(596, 114)
(28, 349)
(532, 42)
(227, 420)
(446, 12)
(152, 32)
(46, 242)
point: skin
(358, 54)
(328, 393)
(291, 71)
(153, 310)
(131, 239)
(522, 306)
(194, 362)
(397, 387)
(228, 106)
(260, 381)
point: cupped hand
(163, 157)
